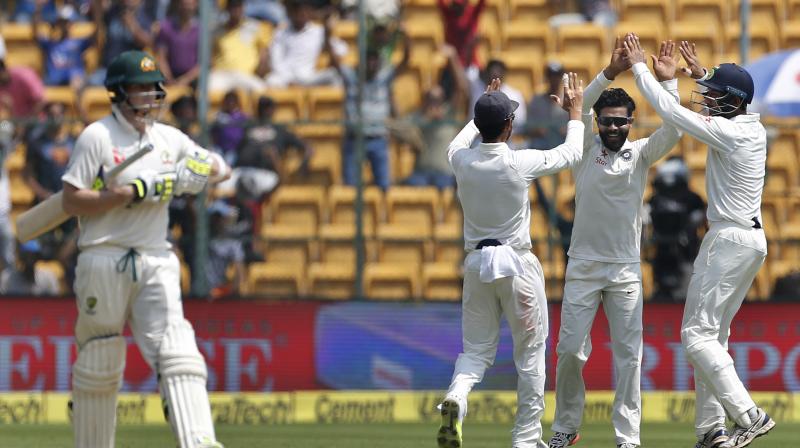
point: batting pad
(182, 383)
(96, 378)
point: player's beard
(614, 142)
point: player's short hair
(491, 131)
(614, 97)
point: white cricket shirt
(609, 187)
(493, 182)
(106, 143)
(737, 156)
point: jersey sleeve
(590, 96)
(665, 137)
(532, 163)
(462, 141)
(86, 159)
(718, 133)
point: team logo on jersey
(91, 304)
(118, 156)
(627, 155)
(147, 65)
(165, 158)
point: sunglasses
(616, 121)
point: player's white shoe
(742, 437)
(627, 445)
(449, 435)
(563, 439)
(714, 438)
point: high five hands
(570, 96)
(664, 65)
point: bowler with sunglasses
(604, 253)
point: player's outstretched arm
(664, 138)
(694, 68)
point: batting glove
(153, 187)
(192, 172)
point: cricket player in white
(126, 270)
(734, 248)
(502, 277)
(604, 253)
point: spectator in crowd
(24, 278)
(7, 146)
(376, 106)
(265, 143)
(461, 27)
(380, 11)
(223, 251)
(177, 44)
(295, 49)
(126, 25)
(271, 11)
(184, 114)
(21, 91)
(546, 121)
(241, 53)
(598, 11)
(24, 10)
(227, 130)
(677, 213)
(434, 126)
(48, 152)
(496, 69)
(62, 54)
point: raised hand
(665, 64)
(494, 85)
(689, 52)
(618, 62)
(633, 49)
(572, 99)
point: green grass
(667, 435)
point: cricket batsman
(604, 254)
(733, 249)
(126, 270)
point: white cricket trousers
(108, 296)
(521, 299)
(618, 286)
(729, 259)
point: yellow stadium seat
(393, 281)
(554, 279)
(764, 11)
(407, 89)
(647, 11)
(790, 33)
(523, 72)
(425, 35)
(297, 206)
(714, 12)
(347, 30)
(326, 103)
(276, 279)
(448, 243)
(587, 40)
(331, 280)
(489, 39)
(792, 9)
(414, 207)
(16, 160)
(763, 38)
(451, 206)
(441, 281)
(521, 38)
(288, 244)
(532, 11)
(337, 244)
(341, 206)
(401, 243)
(650, 35)
(781, 167)
(705, 35)
(290, 103)
(96, 102)
(21, 193)
(421, 11)
(61, 94)
(586, 68)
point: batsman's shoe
(742, 437)
(715, 438)
(627, 445)
(563, 439)
(450, 432)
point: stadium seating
(276, 279)
(414, 207)
(332, 280)
(762, 11)
(587, 41)
(656, 12)
(763, 38)
(288, 243)
(529, 41)
(714, 13)
(790, 33)
(441, 281)
(297, 206)
(393, 281)
(704, 33)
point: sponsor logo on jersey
(118, 156)
(627, 155)
(165, 158)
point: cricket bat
(49, 214)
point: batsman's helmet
(132, 67)
(732, 79)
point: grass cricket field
(482, 435)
